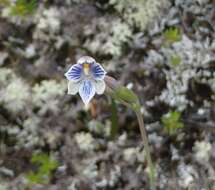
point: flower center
(86, 68)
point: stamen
(86, 68)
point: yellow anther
(86, 67)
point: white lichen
(174, 153)
(14, 92)
(3, 57)
(6, 12)
(193, 55)
(6, 172)
(16, 95)
(4, 186)
(73, 185)
(139, 12)
(29, 135)
(132, 155)
(111, 180)
(49, 20)
(202, 151)
(129, 155)
(109, 37)
(115, 175)
(46, 95)
(155, 139)
(30, 51)
(91, 171)
(85, 141)
(95, 126)
(121, 141)
(186, 174)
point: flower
(87, 78)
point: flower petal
(74, 73)
(86, 59)
(73, 87)
(100, 86)
(98, 71)
(87, 91)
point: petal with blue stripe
(87, 91)
(74, 73)
(98, 71)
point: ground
(162, 50)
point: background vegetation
(163, 50)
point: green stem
(147, 149)
(130, 99)
(114, 119)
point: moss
(19, 8)
(23, 7)
(172, 122)
(172, 35)
(4, 2)
(46, 165)
(175, 60)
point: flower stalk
(129, 99)
(147, 149)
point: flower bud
(111, 83)
(121, 93)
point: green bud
(126, 95)
(122, 94)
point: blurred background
(164, 50)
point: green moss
(175, 60)
(19, 7)
(172, 35)
(46, 165)
(4, 2)
(171, 122)
(23, 7)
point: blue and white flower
(87, 78)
